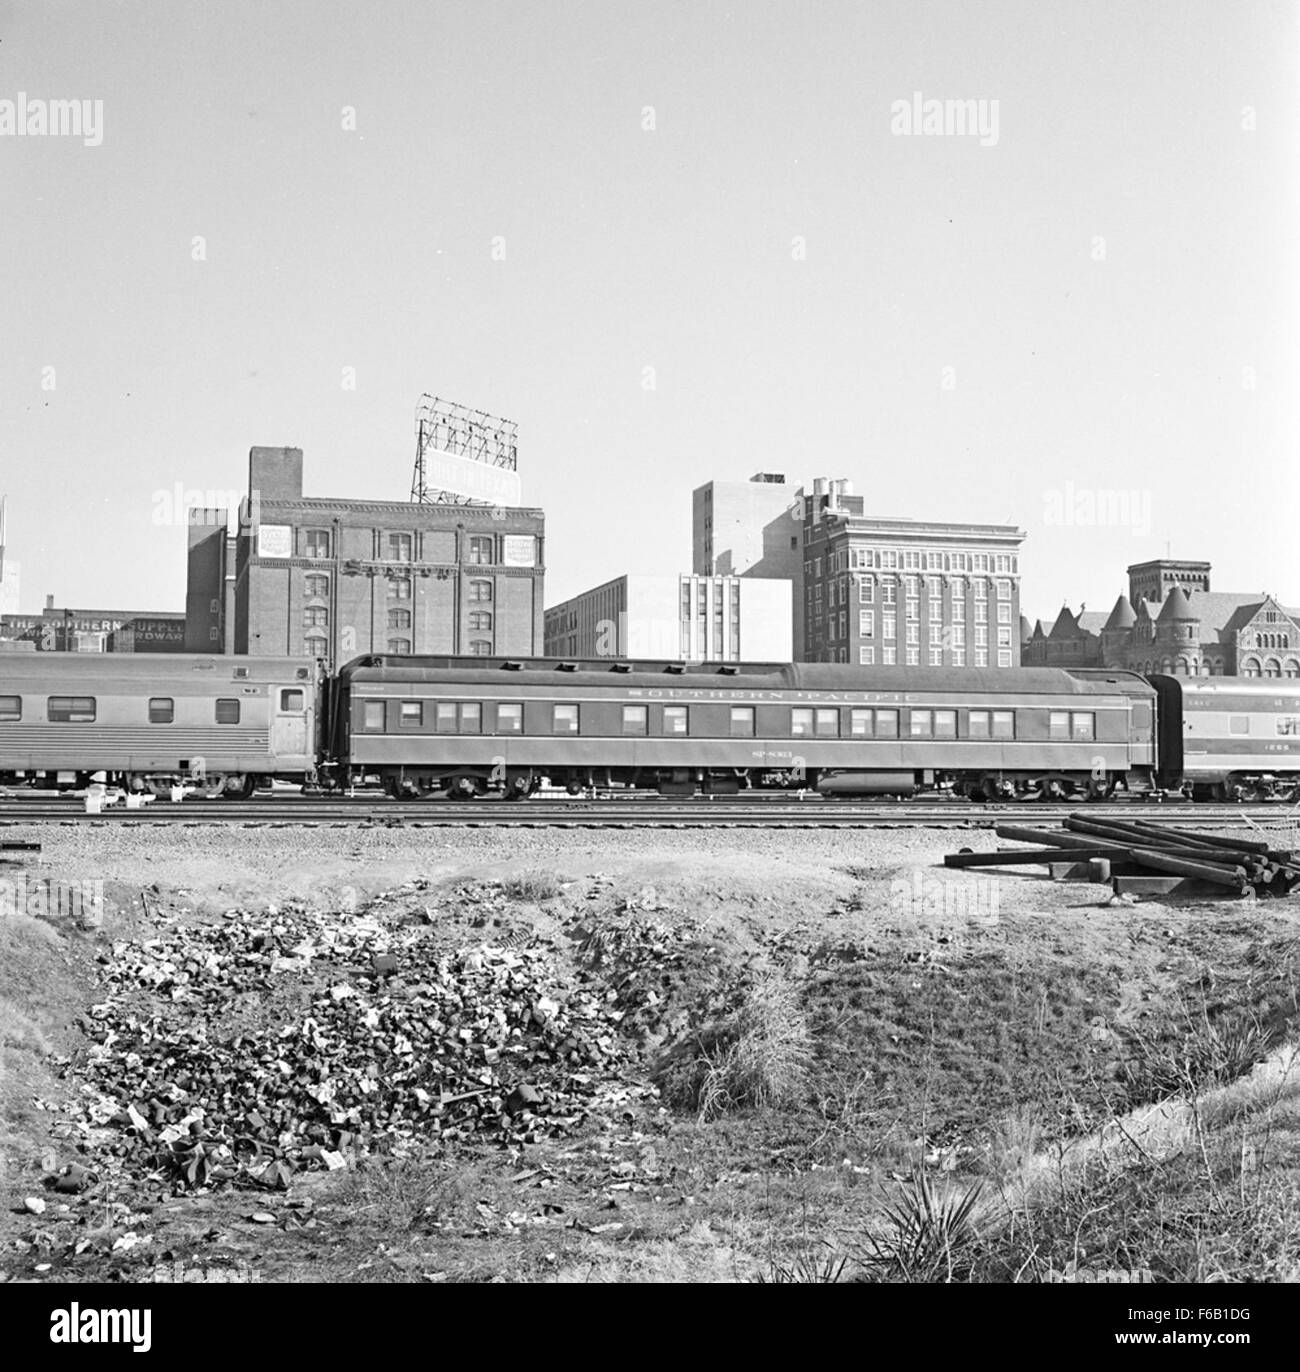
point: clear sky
(1112, 284)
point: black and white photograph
(648, 643)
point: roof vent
(566, 666)
(240, 672)
(512, 666)
(675, 667)
(620, 667)
(728, 671)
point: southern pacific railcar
(1229, 738)
(466, 726)
(150, 721)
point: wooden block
(1070, 871)
(1169, 885)
(1099, 869)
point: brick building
(335, 578)
(1172, 622)
(64, 629)
(905, 592)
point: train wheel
(465, 788)
(519, 787)
(1101, 788)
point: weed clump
(534, 886)
(759, 1056)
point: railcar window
(945, 724)
(444, 720)
(373, 714)
(71, 709)
(564, 719)
(1084, 727)
(801, 722)
(412, 712)
(227, 712)
(828, 724)
(11, 708)
(742, 721)
(1239, 724)
(471, 718)
(922, 724)
(886, 723)
(674, 719)
(978, 724)
(1059, 724)
(860, 723)
(510, 718)
(291, 700)
(162, 709)
(1004, 724)
(635, 719)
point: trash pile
(277, 1041)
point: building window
(981, 657)
(742, 721)
(315, 543)
(914, 633)
(480, 592)
(399, 587)
(316, 647)
(480, 647)
(482, 549)
(400, 547)
(162, 710)
(480, 621)
(564, 719)
(981, 590)
(399, 647)
(1004, 614)
(981, 635)
(867, 590)
(227, 712)
(315, 617)
(11, 709)
(936, 657)
(913, 657)
(510, 718)
(914, 609)
(399, 619)
(1004, 657)
(866, 623)
(959, 657)
(635, 719)
(316, 586)
(866, 657)
(888, 624)
(888, 656)
(936, 633)
(936, 609)
(675, 719)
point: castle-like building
(1170, 621)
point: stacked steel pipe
(1240, 865)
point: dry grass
(533, 887)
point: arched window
(1250, 667)
(399, 647)
(315, 647)
(1291, 668)
(480, 647)
(480, 621)
(399, 619)
(1272, 667)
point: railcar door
(289, 722)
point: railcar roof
(53, 667)
(796, 676)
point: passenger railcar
(148, 722)
(1229, 738)
(467, 726)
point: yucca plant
(930, 1235)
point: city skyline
(694, 246)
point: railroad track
(640, 812)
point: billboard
(465, 476)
